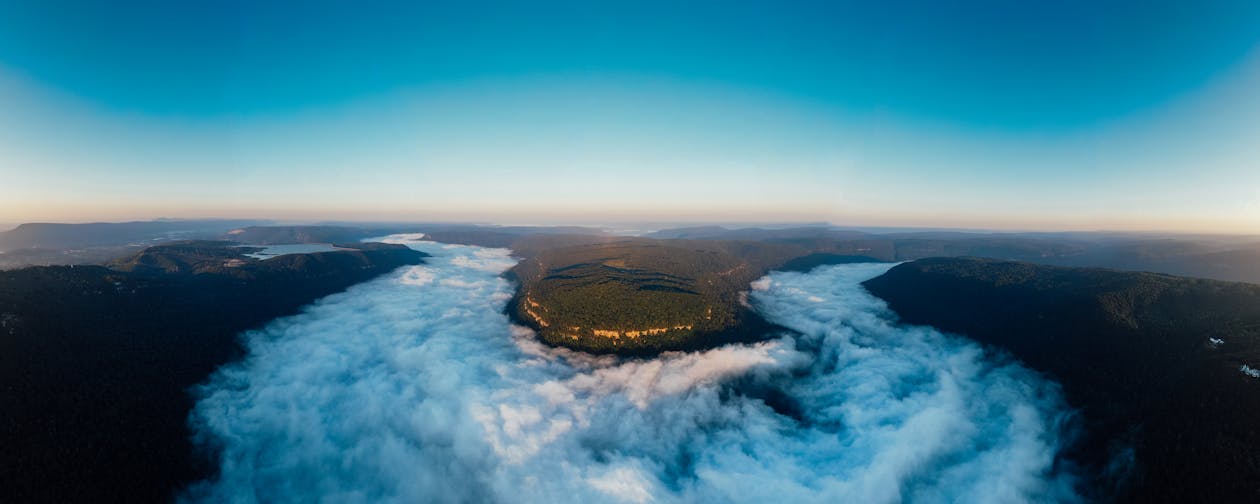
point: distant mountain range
(45, 244)
(1231, 258)
(66, 236)
(1207, 256)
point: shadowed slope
(1155, 362)
(95, 363)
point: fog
(416, 387)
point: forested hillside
(1162, 367)
(95, 363)
(642, 296)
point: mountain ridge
(96, 362)
(1155, 363)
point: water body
(416, 387)
(269, 251)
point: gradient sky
(992, 114)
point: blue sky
(1012, 115)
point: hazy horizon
(635, 227)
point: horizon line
(656, 225)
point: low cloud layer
(415, 387)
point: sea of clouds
(415, 387)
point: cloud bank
(416, 388)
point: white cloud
(417, 275)
(415, 387)
(625, 484)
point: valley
(1161, 368)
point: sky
(1059, 115)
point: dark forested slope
(95, 363)
(1155, 362)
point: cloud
(415, 387)
(417, 275)
(624, 484)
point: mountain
(46, 244)
(1233, 258)
(95, 363)
(1161, 367)
(888, 246)
(634, 296)
(486, 236)
(273, 235)
(1220, 257)
(755, 233)
(641, 296)
(515, 237)
(1205, 258)
(657, 293)
(605, 293)
(66, 236)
